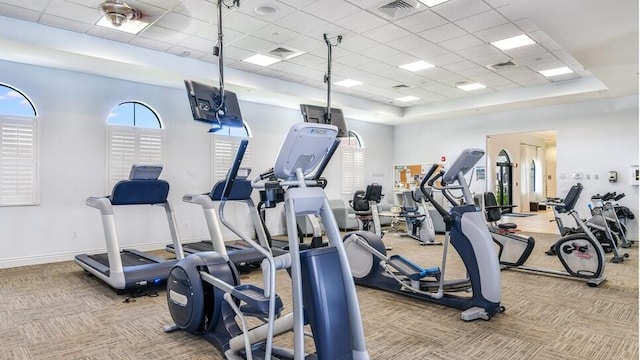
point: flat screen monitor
(205, 99)
(318, 115)
(145, 172)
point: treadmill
(239, 251)
(129, 269)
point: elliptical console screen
(318, 115)
(205, 99)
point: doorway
(518, 174)
(504, 176)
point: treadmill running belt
(128, 259)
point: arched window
(19, 149)
(352, 162)
(224, 145)
(136, 136)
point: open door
(504, 176)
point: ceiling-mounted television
(207, 105)
(318, 115)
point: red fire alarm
(443, 158)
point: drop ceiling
(595, 39)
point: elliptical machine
(465, 230)
(419, 225)
(579, 252)
(205, 296)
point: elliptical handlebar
(233, 172)
(448, 219)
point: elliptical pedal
(412, 270)
(256, 304)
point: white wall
(593, 138)
(74, 107)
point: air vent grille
(503, 65)
(398, 4)
(285, 53)
(397, 8)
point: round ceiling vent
(118, 12)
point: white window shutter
(19, 161)
(224, 150)
(130, 145)
(352, 166)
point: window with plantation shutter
(224, 149)
(135, 136)
(129, 146)
(19, 149)
(18, 162)
(352, 163)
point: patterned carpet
(57, 311)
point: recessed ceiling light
(431, 3)
(416, 66)
(470, 87)
(555, 72)
(131, 26)
(348, 83)
(261, 60)
(407, 98)
(513, 42)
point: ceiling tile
(497, 3)
(308, 60)
(531, 61)
(361, 22)
(539, 80)
(63, 23)
(445, 59)
(35, 5)
(164, 4)
(482, 21)
(444, 76)
(520, 74)
(399, 59)
(353, 60)
(442, 33)
(201, 10)
(275, 34)
(498, 32)
(198, 43)
(243, 23)
(254, 44)
(110, 34)
(462, 42)
(182, 23)
(409, 43)
(529, 50)
(19, 12)
(461, 65)
(474, 72)
(301, 22)
(160, 33)
(211, 33)
(386, 33)
(331, 10)
(185, 52)
(150, 43)
(457, 9)
(379, 52)
(65, 9)
(421, 21)
(527, 25)
(478, 51)
(305, 43)
(357, 43)
(232, 52)
(298, 4)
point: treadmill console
(145, 172)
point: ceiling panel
(453, 36)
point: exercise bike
(579, 252)
(205, 296)
(419, 225)
(365, 204)
(478, 295)
(601, 223)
